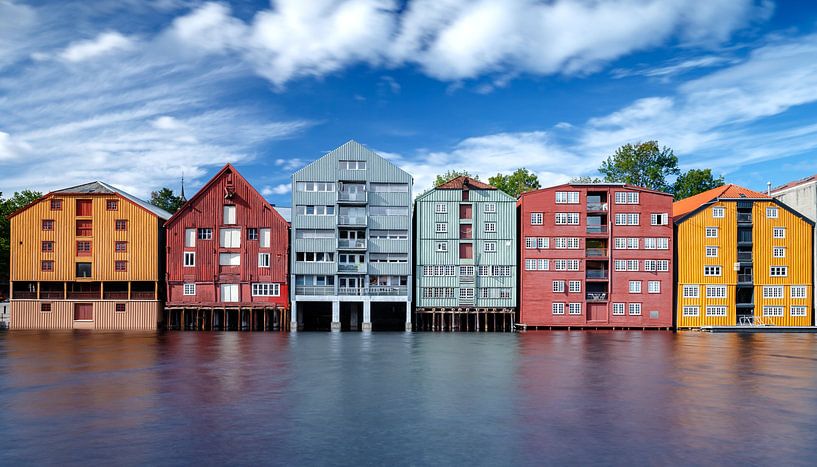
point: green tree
(166, 200)
(586, 179)
(452, 174)
(521, 181)
(642, 164)
(8, 206)
(695, 181)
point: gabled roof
(97, 187)
(598, 185)
(725, 192)
(286, 213)
(802, 181)
(461, 182)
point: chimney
(769, 188)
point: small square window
(45, 308)
(189, 289)
(47, 266)
(56, 205)
(121, 307)
(48, 224)
(120, 266)
(252, 234)
(121, 247)
(718, 212)
(112, 205)
(121, 225)
(47, 247)
(205, 234)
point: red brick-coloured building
(227, 259)
(596, 255)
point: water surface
(586, 398)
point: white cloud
(281, 189)
(11, 149)
(104, 44)
(166, 122)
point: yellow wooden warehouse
(742, 258)
(87, 257)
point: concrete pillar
(408, 316)
(353, 319)
(293, 320)
(335, 316)
(367, 316)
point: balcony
(598, 207)
(137, 295)
(352, 198)
(115, 295)
(354, 268)
(744, 218)
(18, 295)
(314, 290)
(51, 294)
(745, 256)
(597, 252)
(596, 296)
(351, 244)
(745, 278)
(378, 290)
(596, 274)
(467, 279)
(597, 229)
(352, 221)
(83, 295)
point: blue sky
(137, 92)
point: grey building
(351, 243)
(801, 195)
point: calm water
(393, 399)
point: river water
(534, 398)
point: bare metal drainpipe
(769, 188)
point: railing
(314, 290)
(596, 229)
(142, 295)
(744, 218)
(52, 294)
(351, 291)
(351, 244)
(744, 278)
(596, 274)
(596, 206)
(346, 267)
(84, 295)
(596, 296)
(351, 220)
(24, 295)
(600, 252)
(752, 321)
(745, 256)
(353, 197)
(115, 295)
(388, 290)
(467, 279)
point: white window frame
(490, 208)
(441, 208)
(574, 286)
(778, 252)
(716, 291)
(232, 259)
(189, 259)
(713, 271)
(778, 271)
(189, 289)
(773, 311)
(557, 308)
(654, 287)
(772, 212)
(772, 291)
(264, 260)
(558, 286)
(530, 243)
(711, 232)
(574, 308)
(711, 252)
(490, 227)
(716, 311)
(691, 311)
(442, 247)
(619, 309)
(190, 237)
(229, 217)
(718, 212)
(688, 291)
(634, 309)
(798, 310)
(265, 289)
(634, 287)
(779, 232)
(537, 218)
(798, 291)
(441, 227)
(489, 247)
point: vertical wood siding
(139, 315)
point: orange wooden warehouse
(87, 257)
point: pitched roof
(730, 191)
(286, 213)
(460, 182)
(795, 183)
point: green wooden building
(466, 259)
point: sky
(141, 93)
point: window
(56, 205)
(189, 259)
(379, 187)
(84, 207)
(566, 264)
(558, 286)
(315, 186)
(691, 311)
(490, 247)
(772, 311)
(711, 252)
(632, 243)
(575, 308)
(530, 243)
(112, 205)
(490, 227)
(557, 308)
(712, 270)
(121, 225)
(692, 291)
(627, 219)
(490, 208)
(798, 311)
(465, 270)
(120, 307)
(771, 213)
(659, 219)
(778, 252)
(575, 286)
(660, 243)
(262, 289)
(798, 291)
(85, 228)
(386, 210)
(536, 218)
(252, 233)
(632, 264)
(83, 248)
(442, 247)
(47, 247)
(47, 266)
(263, 260)
(120, 266)
(620, 265)
(189, 289)
(229, 292)
(352, 165)
(779, 271)
(779, 232)
(467, 294)
(229, 214)
(321, 257)
(441, 227)
(229, 259)
(83, 269)
(385, 257)
(654, 287)
(441, 208)
(567, 218)
(635, 309)
(567, 197)
(45, 308)
(502, 271)
(48, 224)
(265, 238)
(718, 212)
(660, 265)
(711, 232)
(229, 238)
(772, 291)
(440, 271)
(715, 291)
(438, 292)
(205, 234)
(626, 197)
(484, 270)
(716, 311)
(543, 242)
(618, 309)
(635, 286)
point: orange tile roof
(459, 182)
(730, 191)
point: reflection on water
(394, 398)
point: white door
(229, 292)
(190, 237)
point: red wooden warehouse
(596, 255)
(227, 259)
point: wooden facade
(227, 259)
(79, 253)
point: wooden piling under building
(227, 318)
(464, 319)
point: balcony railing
(84, 295)
(598, 252)
(468, 279)
(744, 278)
(314, 290)
(142, 295)
(115, 295)
(596, 229)
(378, 290)
(596, 206)
(352, 197)
(744, 218)
(596, 296)
(52, 294)
(745, 256)
(352, 244)
(352, 267)
(596, 274)
(352, 220)
(24, 295)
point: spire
(182, 193)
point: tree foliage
(643, 164)
(521, 181)
(166, 200)
(7, 207)
(452, 174)
(695, 181)
(586, 179)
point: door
(466, 251)
(597, 312)
(465, 211)
(83, 311)
(229, 292)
